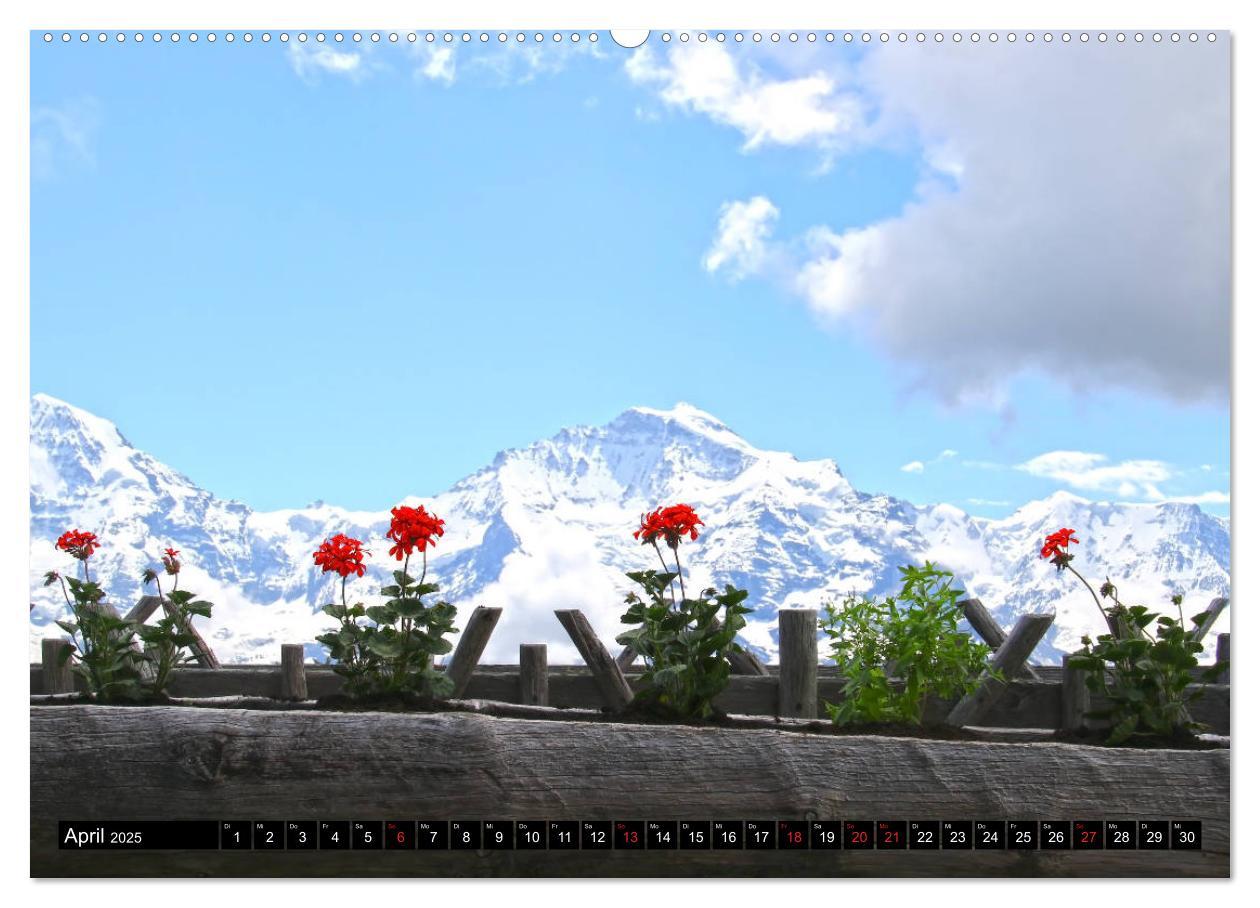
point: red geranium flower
(170, 561)
(78, 544)
(413, 529)
(670, 524)
(1056, 545)
(172, 553)
(342, 555)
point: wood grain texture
(56, 671)
(986, 626)
(91, 762)
(292, 671)
(608, 676)
(472, 643)
(533, 675)
(798, 663)
(1014, 652)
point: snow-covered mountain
(549, 526)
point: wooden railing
(1041, 697)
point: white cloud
(438, 63)
(1071, 218)
(739, 248)
(309, 60)
(706, 79)
(64, 136)
(1092, 472)
(918, 466)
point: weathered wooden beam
(85, 760)
(982, 620)
(1214, 610)
(611, 681)
(626, 658)
(472, 643)
(292, 671)
(58, 675)
(143, 610)
(745, 663)
(533, 674)
(1015, 651)
(798, 663)
(1075, 698)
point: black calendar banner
(907, 836)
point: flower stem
(678, 561)
(1102, 611)
(665, 568)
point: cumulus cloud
(914, 466)
(812, 108)
(1093, 472)
(310, 60)
(1071, 218)
(739, 248)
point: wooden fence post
(609, 678)
(472, 643)
(990, 632)
(292, 671)
(1075, 698)
(1222, 655)
(533, 677)
(1018, 647)
(58, 676)
(798, 663)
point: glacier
(548, 526)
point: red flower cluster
(413, 529)
(78, 544)
(1056, 545)
(670, 524)
(341, 555)
(170, 561)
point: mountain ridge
(548, 526)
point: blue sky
(356, 272)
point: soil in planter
(1183, 740)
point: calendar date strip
(631, 835)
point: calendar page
(524, 451)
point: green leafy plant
(1145, 678)
(683, 641)
(393, 654)
(104, 649)
(895, 653)
(168, 640)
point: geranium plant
(167, 641)
(393, 653)
(683, 641)
(103, 646)
(914, 636)
(1145, 678)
